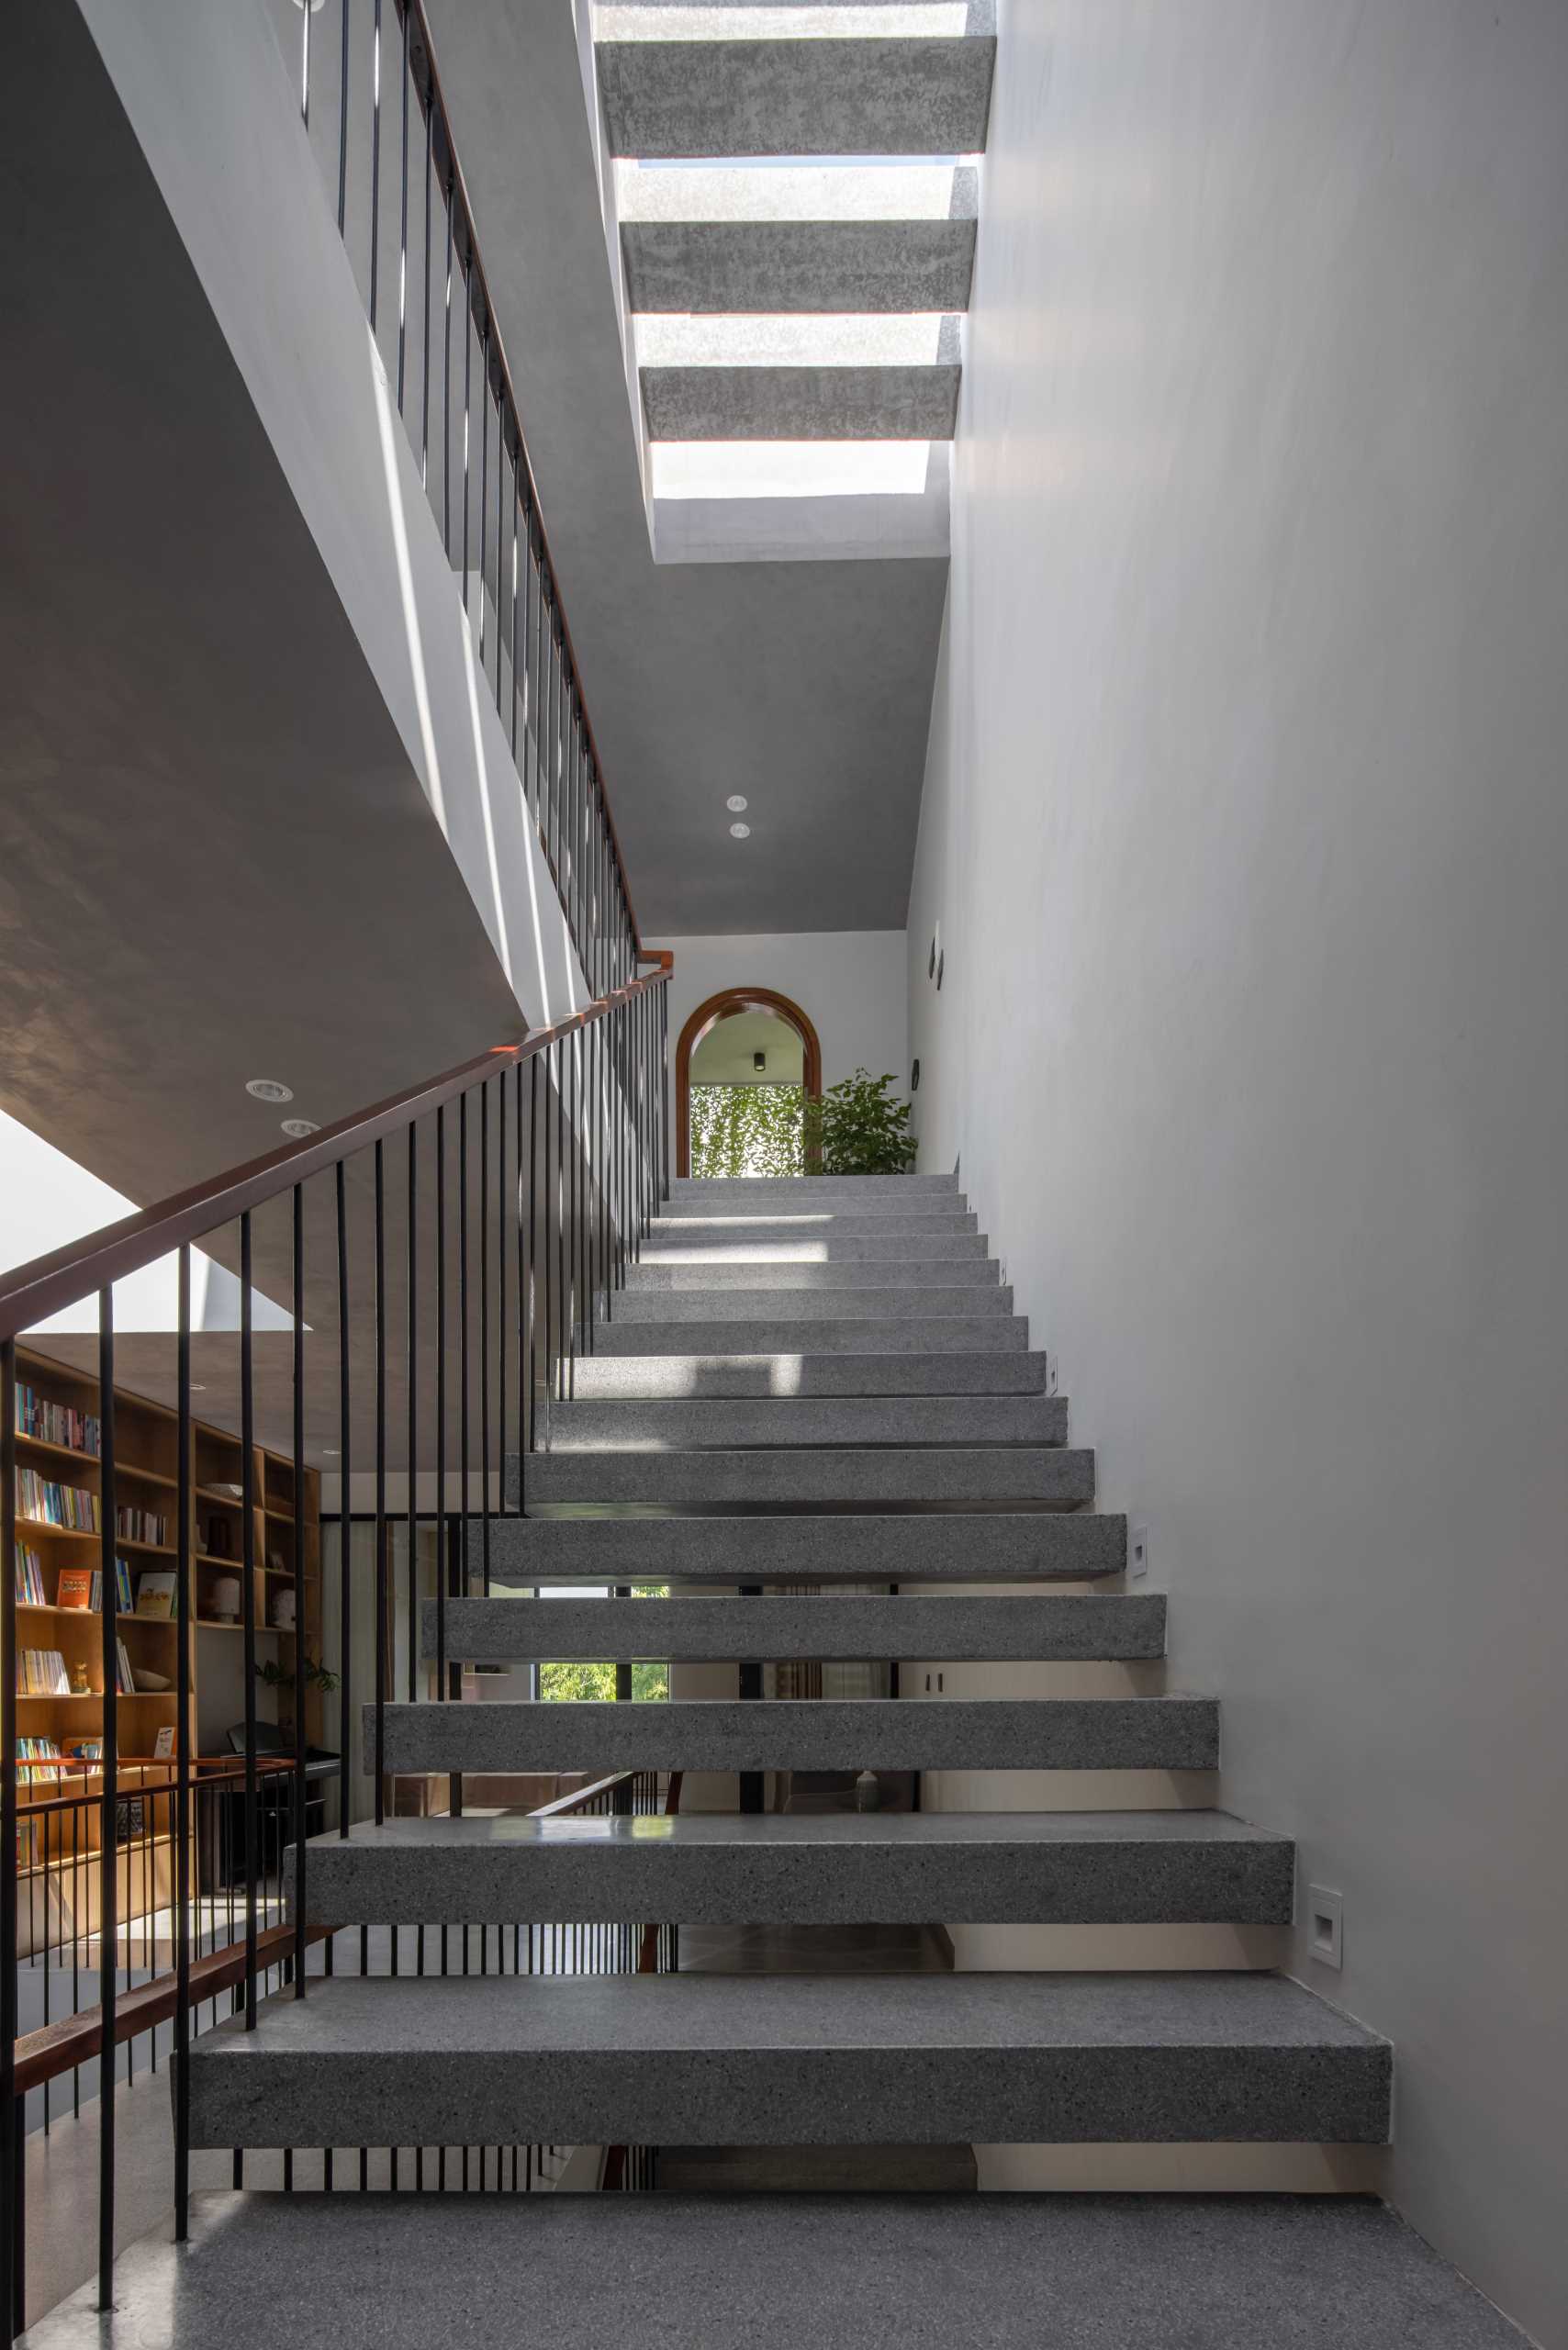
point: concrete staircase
(755, 1453)
(818, 240)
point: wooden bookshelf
(146, 1438)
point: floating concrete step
(663, 99)
(656, 1277)
(887, 1302)
(893, 1868)
(1052, 1477)
(696, 1627)
(670, 2059)
(1046, 1546)
(605, 1378)
(822, 1734)
(924, 1216)
(784, 1194)
(822, 1331)
(780, 403)
(786, 1244)
(709, 1420)
(1113, 2272)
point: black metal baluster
(108, 1831)
(345, 1519)
(485, 492)
(429, 103)
(301, 1790)
(465, 1454)
(441, 1400)
(552, 1207)
(446, 379)
(343, 125)
(524, 1192)
(570, 1373)
(559, 1390)
(402, 219)
(248, 1607)
(467, 395)
(413, 1415)
(501, 1225)
(535, 1190)
(381, 1529)
(516, 503)
(374, 164)
(12, 2147)
(484, 1337)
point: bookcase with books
(57, 1707)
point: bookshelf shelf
(58, 1401)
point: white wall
(1247, 824)
(849, 983)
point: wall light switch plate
(1137, 1552)
(1324, 1926)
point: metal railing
(371, 98)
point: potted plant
(859, 1128)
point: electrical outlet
(1137, 1552)
(1324, 1926)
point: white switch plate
(1326, 1926)
(1137, 1552)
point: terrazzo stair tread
(855, 1332)
(1052, 1476)
(776, 2271)
(722, 1194)
(817, 1248)
(696, 1627)
(1048, 1546)
(710, 1420)
(898, 95)
(872, 1302)
(612, 1377)
(919, 1272)
(934, 1225)
(672, 2059)
(894, 400)
(831, 1868)
(1174, 1733)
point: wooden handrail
(30, 1294)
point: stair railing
(417, 1285)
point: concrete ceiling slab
(909, 96)
(800, 403)
(727, 266)
(807, 684)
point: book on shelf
(40, 1673)
(38, 1758)
(124, 1682)
(50, 1504)
(84, 1587)
(164, 1744)
(155, 1593)
(51, 1423)
(141, 1526)
(29, 1578)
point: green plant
(274, 1675)
(746, 1129)
(857, 1129)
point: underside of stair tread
(776, 2271)
(833, 1625)
(1165, 1733)
(708, 1421)
(656, 1277)
(864, 1299)
(796, 1377)
(911, 401)
(897, 96)
(850, 1868)
(669, 2059)
(949, 1547)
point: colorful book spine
(38, 1415)
(141, 1526)
(48, 1504)
(30, 1589)
(40, 1673)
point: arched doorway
(705, 1019)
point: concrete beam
(724, 266)
(912, 97)
(800, 403)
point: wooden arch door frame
(707, 1017)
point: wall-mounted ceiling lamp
(736, 803)
(297, 1128)
(269, 1089)
(740, 832)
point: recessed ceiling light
(297, 1128)
(736, 803)
(198, 1387)
(269, 1089)
(740, 832)
(328, 1452)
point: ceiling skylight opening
(811, 188)
(689, 469)
(883, 20)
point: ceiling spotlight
(759, 1062)
(736, 803)
(297, 1128)
(740, 832)
(268, 1089)
(328, 1452)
